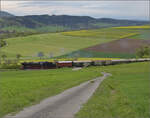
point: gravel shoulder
(63, 105)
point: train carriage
(61, 64)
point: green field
(57, 44)
(145, 35)
(125, 94)
(142, 31)
(93, 54)
(23, 88)
(105, 33)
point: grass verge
(125, 94)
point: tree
(51, 55)
(143, 52)
(18, 56)
(4, 57)
(40, 54)
(2, 43)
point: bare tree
(40, 55)
(4, 57)
(51, 55)
(18, 56)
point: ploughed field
(124, 47)
(64, 43)
(119, 46)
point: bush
(143, 52)
(10, 66)
(2, 43)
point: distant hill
(5, 14)
(56, 23)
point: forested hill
(73, 22)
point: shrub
(10, 66)
(143, 52)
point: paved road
(63, 105)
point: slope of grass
(52, 29)
(93, 54)
(125, 94)
(38, 29)
(134, 27)
(23, 88)
(106, 33)
(18, 29)
(143, 34)
(55, 43)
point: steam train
(61, 64)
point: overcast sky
(113, 9)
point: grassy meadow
(64, 43)
(144, 35)
(54, 43)
(105, 33)
(142, 32)
(134, 27)
(125, 94)
(93, 54)
(24, 88)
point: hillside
(64, 43)
(5, 14)
(128, 40)
(55, 22)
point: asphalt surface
(63, 105)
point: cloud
(114, 9)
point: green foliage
(2, 43)
(18, 56)
(4, 56)
(17, 29)
(10, 66)
(16, 34)
(52, 29)
(143, 52)
(125, 94)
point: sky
(134, 10)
